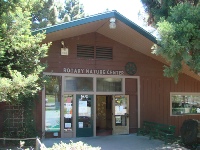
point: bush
(72, 146)
(189, 131)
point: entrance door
(121, 114)
(84, 117)
(103, 115)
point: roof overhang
(126, 32)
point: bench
(146, 128)
(163, 131)
(156, 130)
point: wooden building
(104, 79)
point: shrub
(72, 146)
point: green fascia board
(74, 23)
(95, 18)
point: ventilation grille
(85, 51)
(103, 52)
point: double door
(85, 120)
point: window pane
(78, 84)
(109, 84)
(52, 104)
(185, 104)
(68, 101)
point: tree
(45, 14)
(157, 9)
(52, 12)
(177, 22)
(20, 51)
(71, 10)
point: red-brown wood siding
(155, 88)
(2, 116)
(131, 90)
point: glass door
(121, 114)
(84, 118)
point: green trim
(74, 23)
(95, 18)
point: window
(52, 104)
(78, 84)
(68, 115)
(109, 84)
(185, 103)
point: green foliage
(44, 14)
(158, 9)
(71, 10)
(179, 32)
(179, 39)
(25, 126)
(76, 146)
(20, 51)
(51, 12)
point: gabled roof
(126, 32)
(95, 18)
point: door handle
(127, 115)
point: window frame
(184, 94)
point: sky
(128, 8)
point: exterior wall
(38, 114)
(155, 99)
(2, 108)
(155, 89)
(131, 90)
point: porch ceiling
(124, 33)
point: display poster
(52, 120)
(67, 115)
(80, 124)
(82, 106)
(68, 110)
(119, 110)
(118, 119)
(68, 99)
(68, 125)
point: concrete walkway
(115, 142)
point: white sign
(68, 125)
(64, 51)
(119, 110)
(80, 124)
(67, 115)
(82, 106)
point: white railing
(38, 144)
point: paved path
(115, 142)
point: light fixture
(64, 50)
(112, 24)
